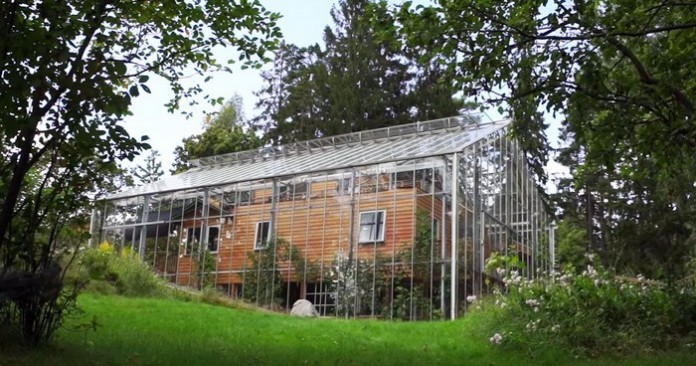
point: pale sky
(302, 23)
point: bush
(123, 271)
(134, 278)
(592, 313)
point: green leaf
(133, 91)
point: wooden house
(369, 223)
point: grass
(173, 332)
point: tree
(223, 134)
(68, 73)
(620, 75)
(151, 171)
(363, 78)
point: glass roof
(417, 140)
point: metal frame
(470, 178)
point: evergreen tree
(151, 171)
(363, 78)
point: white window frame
(343, 186)
(192, 240)
(256, 235)
(380, 229)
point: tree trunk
(15, 187)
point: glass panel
(213, 237)
(262, 233)
(371, 227)
(192, 238)
(379, 228)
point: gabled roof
(411, 141)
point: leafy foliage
(262, 279)
(619, 75)
(591, 313)
(109, 271)
(571, 245)
(224, 133)
(68, 73)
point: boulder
(303, 308)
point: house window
(436, 230)
(213, 238)
(263, 231)
(402, 180)
(194, 235)
(238, 198)
(293, 191)
(371, 226)
(343, 186)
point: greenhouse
(394, 223)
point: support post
(143, 228)
(552, 248)
(92, 218)
(455, 237)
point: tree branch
(647, 79)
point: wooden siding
(318, 225)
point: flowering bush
(111, 272)
(591, 313)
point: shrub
(134, 278)
(96, 261)
(592, 313)
(123, 271)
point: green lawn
(171, 332)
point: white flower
(532, 303)
(556, 328)
(640, 277)
(590, 272)
(496, 338)
(470, 299)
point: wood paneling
(318, 225)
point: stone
(303, 308)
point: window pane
(379, 227)
(367, 218)
(371, 227)
(262, 234)
(193, 236)
(266, 228)
(366, 233)
(213, 237)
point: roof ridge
(398, 131)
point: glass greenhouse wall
(393, 223)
